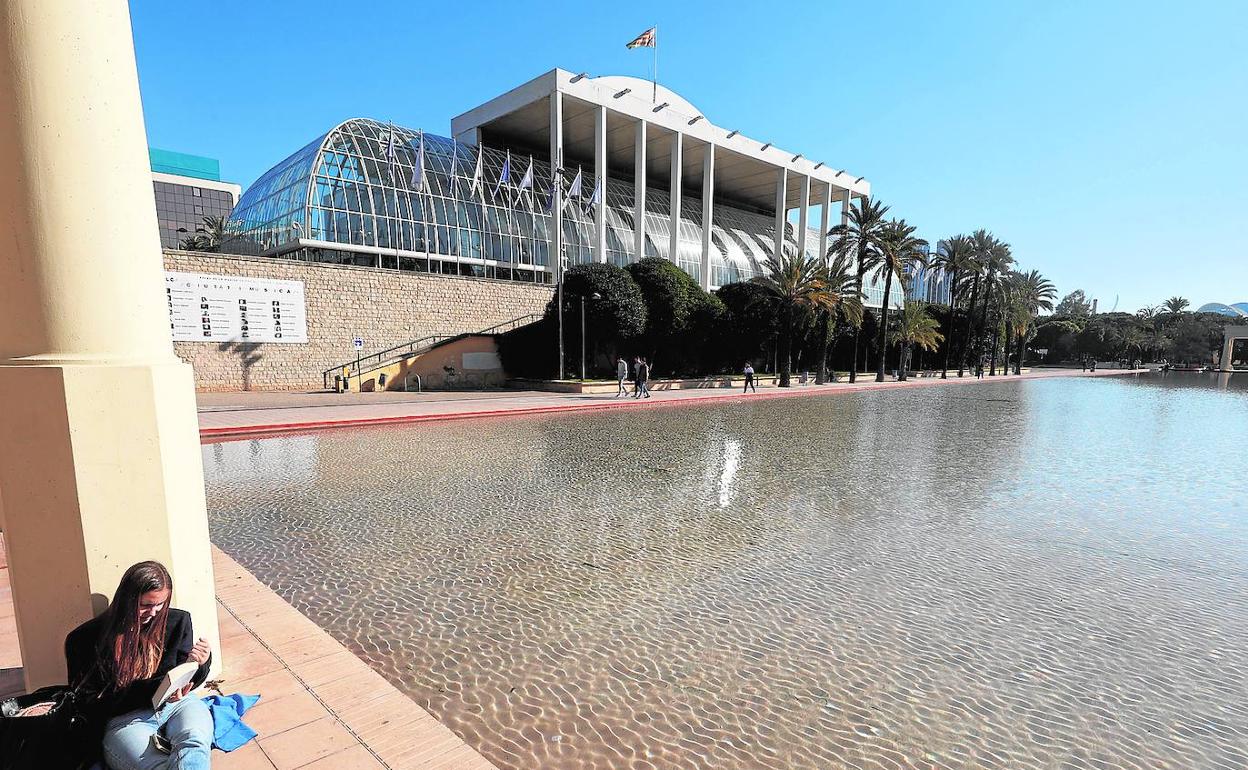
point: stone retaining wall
(384, 307)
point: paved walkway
(322, 708)
(224, 416)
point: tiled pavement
(322, 707)
(225, 415)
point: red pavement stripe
(230, 433)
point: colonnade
(642, 130)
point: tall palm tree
(797, 282)
(1030, 292)
(859, 239)
(900, 253)
(915, 327)
(996, 262)
(840, 289)
(981, 245)
(955, 258)
(1176, 305)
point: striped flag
(392, 155)
(647, 39)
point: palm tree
(859, 239)
(840, 289)
(900, 253)
(1176, 305)
(797, 282)
(996, 261)
(981, 245)
(1030, 292)
(915, 327)
(206, 238)
(954, 257)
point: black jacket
(98, 698)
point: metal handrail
(357, 366)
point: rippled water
(1041, 574)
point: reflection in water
(1044, 574)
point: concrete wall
(470, 362)
(384, 307)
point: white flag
(526, 181)
(475, 187)
(574, 191)
(419, 183)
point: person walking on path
(621, 372)
(636, 375)
(643, 376)
(749, 378)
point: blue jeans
(186, 723)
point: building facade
(638, 172)
(187, 189)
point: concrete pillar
(639, 192)
(600, 180)
(708, 211)
(677, 169)
(825, 208)
(803, 214)
(556, 165)
(100, 461)
(781, 212)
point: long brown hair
(130, 650)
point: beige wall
(384, 307)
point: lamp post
(594, 296)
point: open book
(177, 678)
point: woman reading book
(121, 660)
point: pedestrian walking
(643, 376)
(621, 372)
(636, 377)
(749, 378)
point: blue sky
(1106, 141)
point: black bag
(57, 740)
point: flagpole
(455, 197)
(654, 97)
(395, 189)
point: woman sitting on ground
(120, 659)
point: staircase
(357, 367)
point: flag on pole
(391, 154)
(574, 191)
(503, 178)
(596, 196)
(550, 194)
(419, 183)
(647, 39)
(475, 187)
(526, 181)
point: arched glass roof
(1239, 310)
(347, 196)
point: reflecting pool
(1037, 574)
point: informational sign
(221, 308)
(358, 343)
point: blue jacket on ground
(229, 732)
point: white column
(556, 163)
(845, 206)
(803, 214)
(639, 192)
(100, 463)
(677, 168)
(781, 213)
(708, 210)
(826, 205)
(600, 174)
